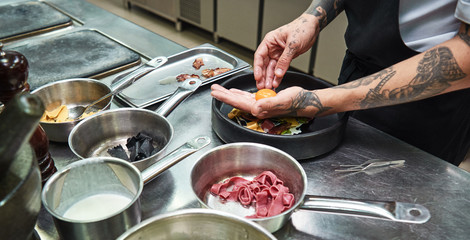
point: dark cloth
(439, 125)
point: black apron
(439, 125)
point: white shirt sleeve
(462, 11)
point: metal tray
(80, 52)
(161, 83)
(25, 19)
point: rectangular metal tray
(20, 20)
(76, 53)
(161, 83)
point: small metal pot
(93, 136)
(83, 91)
(98, 198)
(197, 224)
(71, 93)
(250, 159)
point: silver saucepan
(197, 224)
(95, 135)
(248, 160)
(98, 198)
(76, 93)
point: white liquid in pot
(97, 206)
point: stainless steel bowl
(95, 135)
(197, 224)
(71, 93)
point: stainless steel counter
(442, 188)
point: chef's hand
(288, 102)
(275, 53)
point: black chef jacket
(439, 125)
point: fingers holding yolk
(264, 93)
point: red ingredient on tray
(182, 77)
(198, 63)
(267, 191)
(208, 73)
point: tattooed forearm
(434, 73)
(386, 73)
(325, 10)
(464, 34)
(307, 99)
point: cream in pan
(98, 206)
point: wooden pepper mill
(13, 80)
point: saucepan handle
(394, 211)
(174, 157)
(188, 87)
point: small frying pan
(319, 136)
(248, 160)
(93, 136)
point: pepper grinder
(13, 80)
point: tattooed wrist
(305, 99)
(325, 10)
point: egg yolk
(264, 93)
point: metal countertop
(441, 187)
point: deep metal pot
(320, 136)
(109, 188)
(197, 224)
(248, 160)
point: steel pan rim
(284, 215)
(87, 161)
(190, 211)
(94, 81)
(113, 111)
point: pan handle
(387, 210)
(186, 88)
(174, 157)
(126, 79)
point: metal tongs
(374, 163)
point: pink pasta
(266, 191)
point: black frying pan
(319, 136)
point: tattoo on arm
(325, 10)
(369, 79)
(305, 99)
(464, 34)
(434, 73)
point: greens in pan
(277, 126)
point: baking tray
(161, 83)
(82, 53)
(20, 20)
